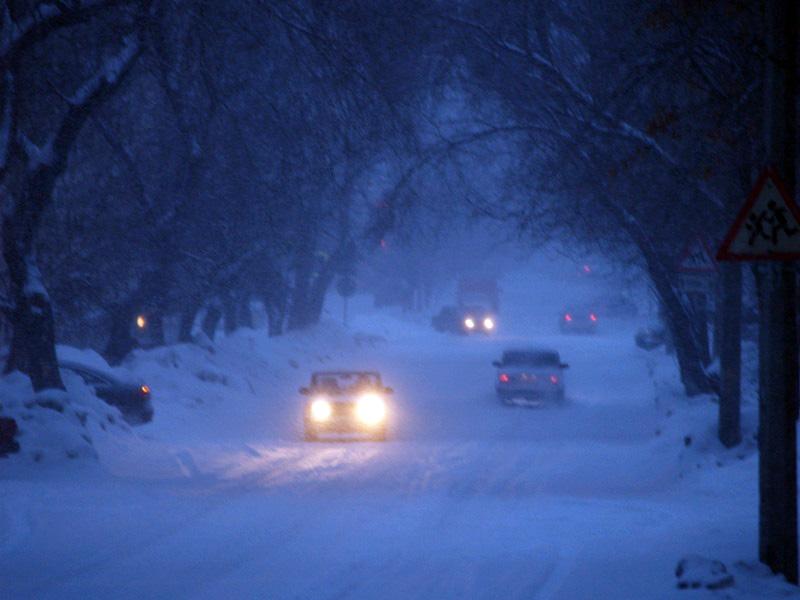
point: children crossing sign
(768, 225)
(697, 258)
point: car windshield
(340, 382)
(530, 358)
(474, 310)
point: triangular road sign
(768, 225)
(696, 257)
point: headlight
(371, 409)
(321, 409)
(469, 323)
(488, 323)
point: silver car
(530, 374)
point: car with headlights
(579, 319)
(131, 398)
(465, 320)
(346, 402)
(530, 375)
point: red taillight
(504, 378)
(568, 317)
(144, 389)
(553, 379)
(593, 317)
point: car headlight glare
(371, 409)
(469, 323)
(488, 323)
(321, 409)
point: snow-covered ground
(219, 497)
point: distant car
(346, 402)
(530, 374)
(580, 319)
(132, 399)
(465, 320)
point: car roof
(75, 366)
(530, 350)
(344, 372)
(532, 355)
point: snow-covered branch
(91, 92)
(108, 74)
(44, 18)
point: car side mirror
(304, 391)
(564, 366)
(388, 390)
(497, 363)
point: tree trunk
(33, 340)
(33, 350)
(156, 328)
(677, 318)
(121, 342)
(690, 359)
(698, 310)
(730, 354)
(186, 325)
(245, 313)
(299, 306)
(230, 306)
(276, 314)
(211, 320)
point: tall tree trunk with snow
(33, 342)
(691, 358)
(687, 349)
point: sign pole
(729, 306)
(778, 538)
(767, 228)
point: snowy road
(468, 499)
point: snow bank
(54, 424)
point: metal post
(778, 384)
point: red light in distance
(504, 378)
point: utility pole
(777, 433)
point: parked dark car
(132, 399)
